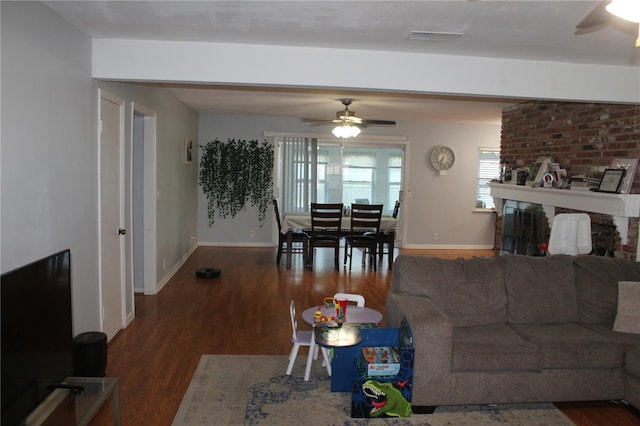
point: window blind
(488, 168)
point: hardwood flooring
(245, 311)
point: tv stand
(66, 406)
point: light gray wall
(49, 150)
(433, 203)
(445, 204)
(176, 205)
(49, 154)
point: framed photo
(611, 180)
(188, 151)
(538, 169)
(628, 164)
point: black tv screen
(37, 333)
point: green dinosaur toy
(386, 399)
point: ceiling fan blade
(319, 121)
(598, 17)
(592, 29)
(378, 123)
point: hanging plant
(235, 173)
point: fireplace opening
(526, 230)
(603, 239)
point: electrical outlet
(435, 235)
(252, 233)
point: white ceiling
(533, 30)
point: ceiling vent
(434, 35)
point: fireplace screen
(524, 228)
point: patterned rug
(253, 390)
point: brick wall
(581, 137)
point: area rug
(253, 390)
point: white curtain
(298, 173)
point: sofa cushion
(628, 314)
(540, 290)
(572, 345)
(632, 362)
(493, 348)
(597, 288)
(469, 291)
(629, 341)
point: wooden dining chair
(384, 238)
(326, 230)
(365, 227)
(299, 239)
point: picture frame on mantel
(611, 180)
(630, 165)
(538, 170)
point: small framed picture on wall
(188, 151)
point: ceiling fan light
(628, 10)
(346, 131)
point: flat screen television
(37, 333)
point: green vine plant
(235, 174)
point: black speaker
(90, 354)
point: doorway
(143, 200)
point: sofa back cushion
(540, 290)
(597, 285)
(469, 291)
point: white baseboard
(240, 244)
(174, 269)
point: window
(488, 168)
(358, 174)
(325, 172)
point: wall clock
(442, 158)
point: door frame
(150, 192)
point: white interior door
(111, 215)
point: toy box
(381, 360)
(384, 395)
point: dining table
(293, 221)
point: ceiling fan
(348, 124)
(612, 13)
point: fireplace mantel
(620, 206)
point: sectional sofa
(512, 328)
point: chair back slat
(366, 217)
(326, 217)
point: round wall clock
(442, 158)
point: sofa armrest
(432, 340)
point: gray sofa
(515, 328)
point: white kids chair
(351, 298)
(304, 338)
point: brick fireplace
(582, 138)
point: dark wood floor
(245, 311)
